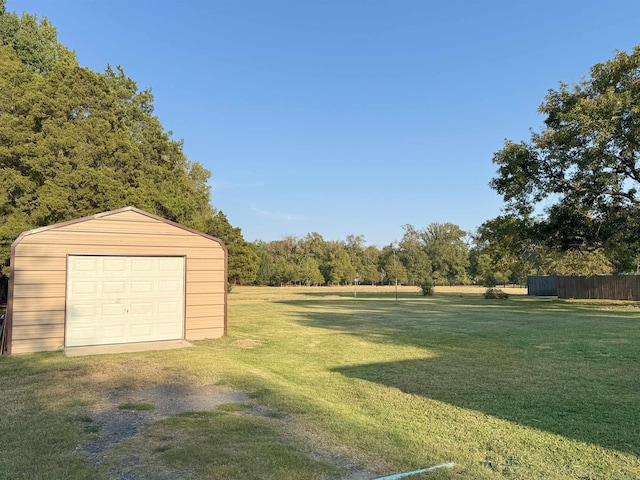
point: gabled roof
(115, 212)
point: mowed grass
(519, 388)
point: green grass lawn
(519, 388)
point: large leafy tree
(508, 248)
(371, 272)
(445, 245)
(391, 266)
(338, 268)
(414, 257)
(355, 245)
(584, 162)
(244, 259)
(35, 42)
(264, 274)
(74, 142)
(311, 260)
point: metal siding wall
(39, 271)
(542, 285)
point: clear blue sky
(346, 116)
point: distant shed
(542, 285)
(123, 276)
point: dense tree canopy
(584, 163)
(508, 248)
(415, 257)
(243, 258)
(74, 142)
(311, 260)
(445, 245)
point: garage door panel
(84, 288)
(83, 334)
(114, 287)
(142, 308)
(141, 330)
(85, 264)
(169, 286)
(141, 264)
(111, 334)
(142, 287)
(113, 264)
(169, 307)
(167, 329)
(85, 311)
(112, 310)
(124, 299)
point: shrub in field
(427, 288)
(495, 293)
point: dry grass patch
(246, 343)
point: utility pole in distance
(394, 247)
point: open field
(350, 387)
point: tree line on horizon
(440, 254)
(74, 142)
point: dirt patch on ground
(125, 414)
(114, 423)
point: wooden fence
(610, 287)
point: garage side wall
(38, 276)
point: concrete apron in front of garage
(125, 348)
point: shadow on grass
(566, 368)
(38, 435)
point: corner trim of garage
(125, 348)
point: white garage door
(112, 299)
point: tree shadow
(564, 368)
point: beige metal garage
(118, 277)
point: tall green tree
(309, 272)
(371, 272)
(313, 246)
(74, 142)
(391, 266)
(243, 260)
(264, 273)
(281, 262)
(414, 257)
(35, 42)
(354, 244)
(338, 269)
(445, 245)
(584, 162)
(514, 245)
(575, 262)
